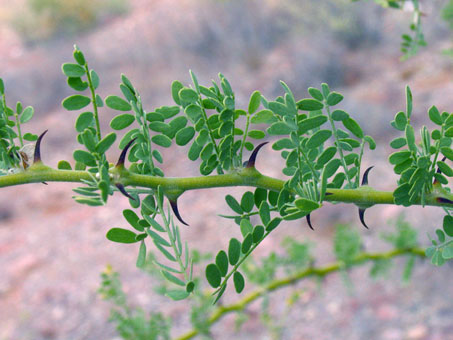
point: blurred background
(52, 250)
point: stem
(172, 240)
(246, 177)
(340, 150)
(320, 272)
(18, 130)
(93, 100)
(245, 136)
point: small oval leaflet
(234, 251)
(221, 261)
(121, 235)
(122, 121)
(213, 275)
(184, 135)
(117, 103)
(75, 102)
(239, 282)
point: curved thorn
(252, 159)
(436, 182)
(309, 221)
(44, 183)
(443, 200)
(365, 175)
(174, 207)
(122, 158)
(123, 191)
(328, 193)
(37, 155)
(362, 217)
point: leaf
(83, 121)
(77, 84)
(221, 261)
(306, 204)
(141, 258)
(448, 225)
(440, 235)
(339, 115)
(247, 243)
(234, 251)
(311, 123)
(184, 135)
(239, 282)
(318, 138)
(213, 275)
(279, 128)
(247, 201)
(437, 258)
(447, 252)
(399, 157)
(410, 138)
(434, 115)
(398, 143)
(408, 101)
(245, 226)
(132, 218)
(334, 98)
(172, 278)
(256, 134)
(122, 121)
(447, 152)
(259, 196)
(273, 224)
(370, 142)
(84, 157)
(121, 235)
(233, 204)
(64, 165)
(258, 233)
(188, 95)
(309, 104)
(353, 126)
(72, 70)
(75, 102)
(94, 79)
(315, 93)
(176, 86)
(117, 103)
(190, 286)
(265, 212)
(30, 137)
(177, 294)
(254, 102)
(263, 117)
(27, 114)
(161, 140)
(105, 143)
(326, 156)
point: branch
(245, 177)
(292, 279)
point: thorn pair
(122, 189)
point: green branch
(292, 279)
(245, 177)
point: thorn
(44, 183)
(328, 193)
(361, 216)
(123, 191)
(443, 200)
(436, 182)
(122, 158)
(309, 221)
(365, 175)
(174, 206)
(252, 159)
(37, 155)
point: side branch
(246, 177)
(292, 279)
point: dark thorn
(309, 221)
(252, 159)
(361, 216)
(328, 193)
(436, 182)
(365, 175)
(123, 191)
(122, 158)
(37, 155)
(443, 200)
(174, 206)
(44, 183)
